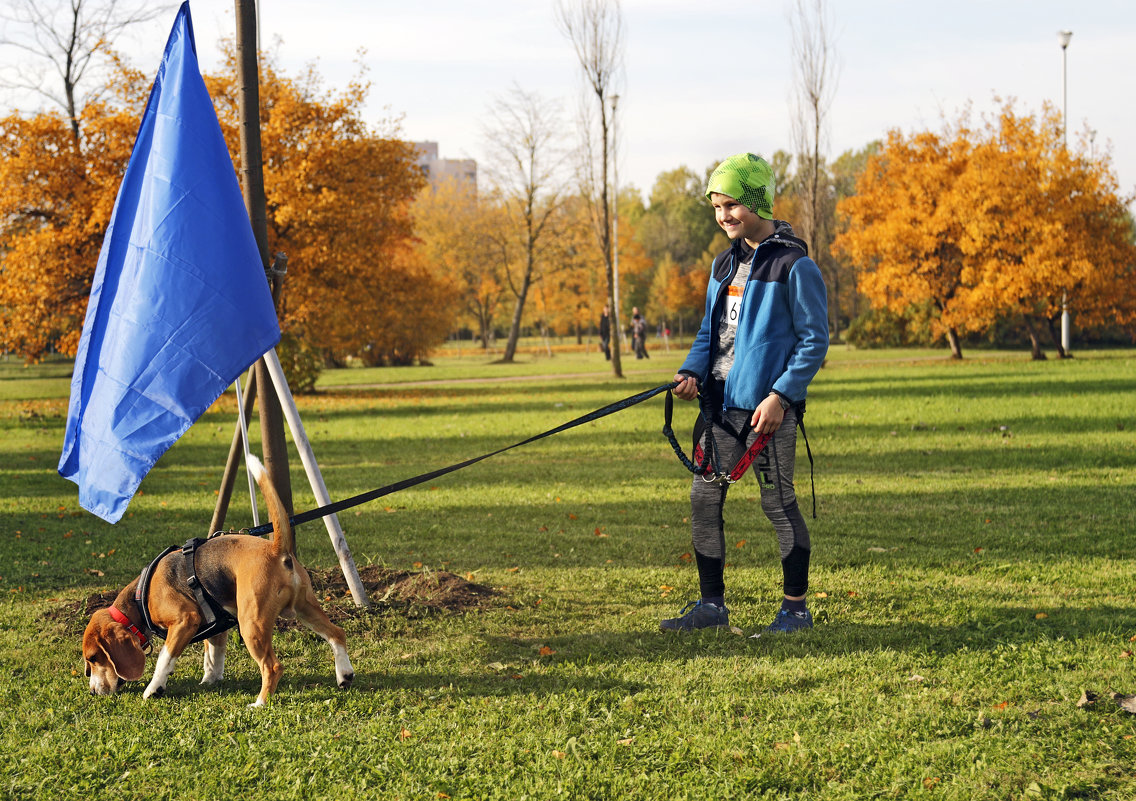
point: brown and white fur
(254, 579)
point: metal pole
(315, 478)
(615, 217)
(1065, 36)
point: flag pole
(268, 370)
(252, 186)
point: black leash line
(347, 503)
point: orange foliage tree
(338, 204)
(338, 197)
(1046, 225)
(463, 234)
(992, 225)
(57, 191)
(903, 229)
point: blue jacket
(782, 335)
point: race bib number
(733, 305)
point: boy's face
(735, 218)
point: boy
(762, 339)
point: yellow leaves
(989, 222)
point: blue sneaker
(787, 622)
(698, 615)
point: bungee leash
(355, 500)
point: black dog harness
(216, 618)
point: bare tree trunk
(815, 84)
(595, 28)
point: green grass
(973, 574)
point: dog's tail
(283, 536)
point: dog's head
(111, 653)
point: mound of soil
(413, 594)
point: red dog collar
(125, 621)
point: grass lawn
(973, 575)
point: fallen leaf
(571, 516)
(877, 549)
(495, 666)
(405, 734)
(979, 549)
(741, 544)
(931, 782)
(916, 678)
(852, 593)
(1040, 616)
(686, 557)
(600, 532)
(546, 651)
(820, 595)
(1125, 654)
(512, 569)
(626, 741)
(1002, 705)
(559, 754)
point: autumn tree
(525, 167)
(676, 230)
(338, 204)
(471, 248)
(57, 193)
(904, 229)
(992, 225)
(338, 196)
(1043, 223)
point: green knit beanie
(746, 178)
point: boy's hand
(687, 388)
(767, 416)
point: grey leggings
(773, 470)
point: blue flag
(179, 305)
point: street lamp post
(615, 212)
(1063, 37)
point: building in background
(439, 170)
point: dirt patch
(413, 594)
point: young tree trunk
(1036, 353)
(953, 341)
(1055, 335)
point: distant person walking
(638, 334)
(605, 333)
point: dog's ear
(124, 652)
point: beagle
(253, 579)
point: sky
(703, 80)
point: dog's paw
(154, 692)
(345, 681)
